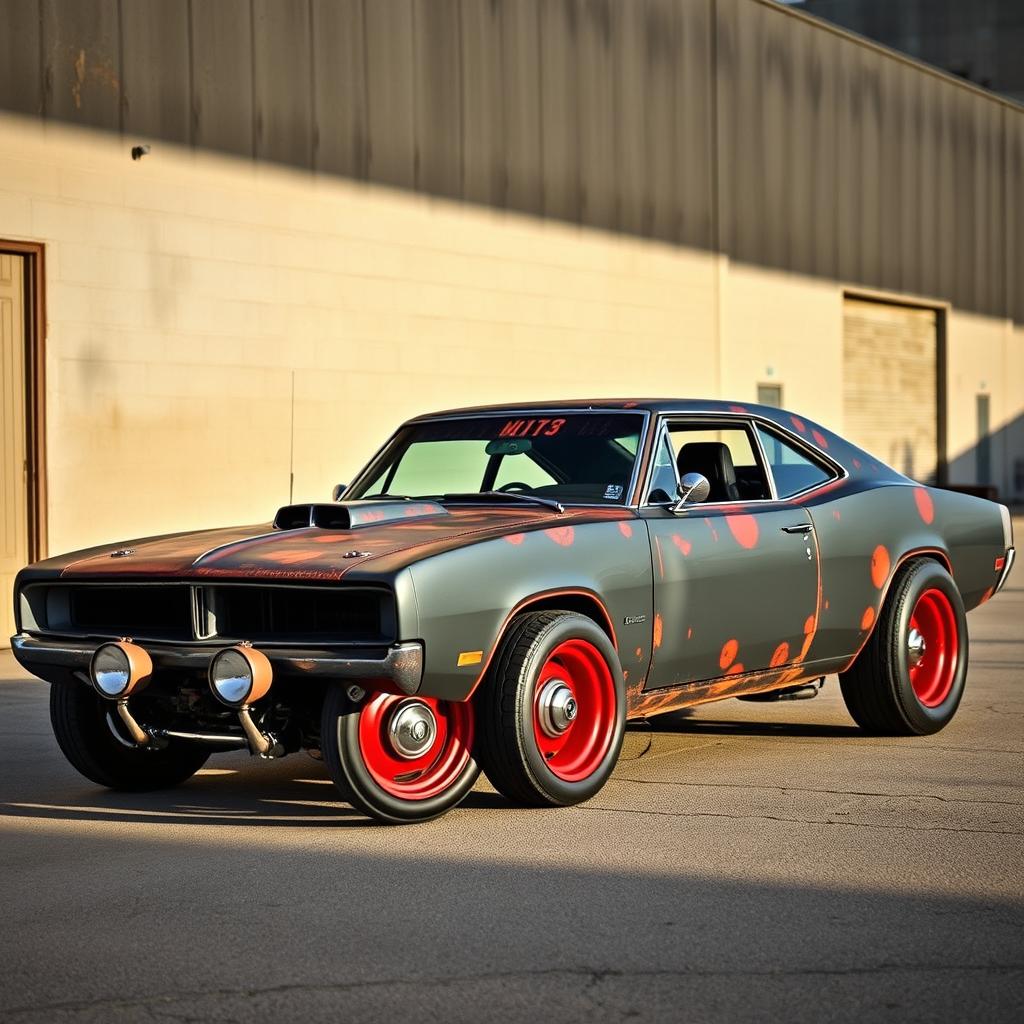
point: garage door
(890, 406)
(13, 495)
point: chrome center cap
(412, 729)
(915, 647)
(556, 707)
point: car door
(736, 584)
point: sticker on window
(613, 492)
(531, 428)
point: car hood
(316, 552)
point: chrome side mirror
(692, 490)
(339, 490)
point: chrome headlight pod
(240, 675)
(119, 668)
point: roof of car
(656, 405)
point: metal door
(735, 590)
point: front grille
(259, 613)
(186, 612)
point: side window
(663, 475)
(725, 455)
(794, 471)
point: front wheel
(90, 735)
(552, 711)
(398, 759)
(909, 678)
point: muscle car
(502, 588)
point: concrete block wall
(224, 335)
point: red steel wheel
(574, 710)
(399, 759)
(552, 710)
(909, 677)
(415, 748)
(932, 647)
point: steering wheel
(519, 488)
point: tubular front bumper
(58, 659)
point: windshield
(576, 458)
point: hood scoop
(350, 515)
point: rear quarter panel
(866, 534)
(465, 596)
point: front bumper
(400, 666)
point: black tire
(507, 743)
(357, 783)
(85, 735)
(878, 688)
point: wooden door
(13, 448)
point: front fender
(467, 596)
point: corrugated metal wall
(734, 125)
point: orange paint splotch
(826, 604)
(836, 514)
(689, 632)
(879, 566)
(986, 595)
(867, 618)
(562, 535)
(291, 557)
(735, 670)
(744, 529)
(729, 651)
(741, 409)
(799, 424)
(781, 655)
(515, 538)
(809, 625)
(856, 463)
(925, 506)
(625, 529)
(819, 438)
(629, 405)
(639, 652)
(659, 627)
(711, 527)
(682, 543)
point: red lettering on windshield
(531, 428)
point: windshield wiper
(485, 496)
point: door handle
(798, 528)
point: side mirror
(339, 490)
(692, 490)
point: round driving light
(119, 668)
(240, 675)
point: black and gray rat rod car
(502, 588)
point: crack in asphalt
(825, 792)
(799, 821)
(591, 975)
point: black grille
(158, 612)
(301, 613)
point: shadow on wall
(996, 460)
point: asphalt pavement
(747, 862)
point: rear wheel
(89, 734)
(909, 678)
(398, 759)
(552, 711)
